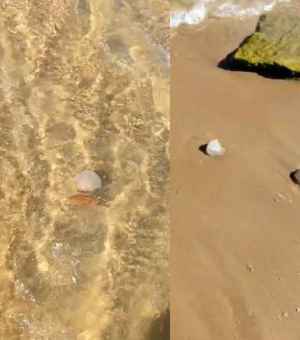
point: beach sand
(235, 232)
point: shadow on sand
(293, 177)
(202, 148)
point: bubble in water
(88, 181)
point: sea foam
(220, 9)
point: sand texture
(235, 250)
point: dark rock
(272, 51)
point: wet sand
(235, 243)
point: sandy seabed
(235, 238)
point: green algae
(276, 42)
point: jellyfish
(88, 181)
(214, 148)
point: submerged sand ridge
(235, 219)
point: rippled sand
(84, 85)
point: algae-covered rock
(274, 47)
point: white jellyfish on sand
(88, 181)
(214, 148)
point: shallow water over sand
(84, 85)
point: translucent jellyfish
(214, 148)
(88, 181)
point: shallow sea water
(84, 84)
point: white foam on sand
(189, 17)
(228, 9)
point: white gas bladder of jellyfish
(88, 181)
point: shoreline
(235, 235)
(195, 13)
